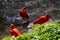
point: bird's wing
(17, 31)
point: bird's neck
(11, 28)
(47, 17)
(24, 8)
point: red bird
(14, 32)
(23, 13)
(42, 19)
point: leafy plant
(7, 38)
(50, 31)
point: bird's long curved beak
(52, 18)
(24, 8)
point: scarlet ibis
(23, 12)
(42, 19)
(13, 31)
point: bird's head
(48, 16)
(11, 26)
(24, 8)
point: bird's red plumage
(41, 19)
(23, 13)
(14, 31)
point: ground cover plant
(50, 31)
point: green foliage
(50, 31)
(7, 38)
